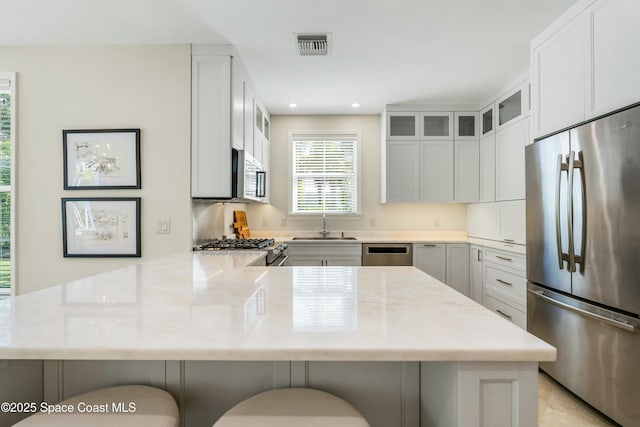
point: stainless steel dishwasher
(392, 254)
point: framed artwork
(101, 159)
(101, 227)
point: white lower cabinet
(475, 273)
(505, 285)
(432, 259)
(513, 314)
(458, 267)
(324, 254)
(446, 262)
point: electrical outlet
(372, 222)
(163, 226)
(265, 222)
(283, 222)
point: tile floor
(557, 407)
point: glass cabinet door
(487, 124)
(513, 105)
(402, 126)
(466, 126)
(436, 126)
(259, 118)
(266, 128)
(510, 108)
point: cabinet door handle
(503, 314)
(504, 258)
(430, 246)
(479, 256)
(503, 282)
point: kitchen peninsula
(403, 348)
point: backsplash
(213, 220)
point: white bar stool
(292, 407)
(153, 407)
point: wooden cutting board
(240, 225)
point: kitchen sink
(324, 238)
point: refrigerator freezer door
(547, 231)
(610, 152)
(597, 351)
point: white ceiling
(383, 51)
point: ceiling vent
(312, 44)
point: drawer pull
(503, 314)
(508, 240)
(504, 258)
(504, 283)
(430, 246)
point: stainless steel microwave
(249, 179)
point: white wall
(375, 216)
(146, 87)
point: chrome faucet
(324, 230)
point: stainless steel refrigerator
(583, 259)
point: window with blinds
(6, 162)
(325, 174)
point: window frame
(11, 77)
(332, 135)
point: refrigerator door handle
(572, 261)
(559, 169)
(617, 323)
(580, 259)
(575, 164)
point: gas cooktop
(217, 245)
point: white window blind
(325, 174)
(6, 164)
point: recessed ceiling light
(355, 105)
(293, 105)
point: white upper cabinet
(436, 171)
(488, 168)
(436, 126)
(403, 171)
(238, 78)
(211, 126)
(558, 70)
(466, 126)
(467, 165)
(403, 126)
(249, 113)
(585, 64)
(513, 222)
(487, 121)
(615, 71)
(502, 221)
(513, 105)
(222, 118)
(510, 172)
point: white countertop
(209, 306)
(396, 237)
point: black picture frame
(99, 227)
(101, 159)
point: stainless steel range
(277, 252)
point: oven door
(281, 261)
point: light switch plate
(163, 226)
